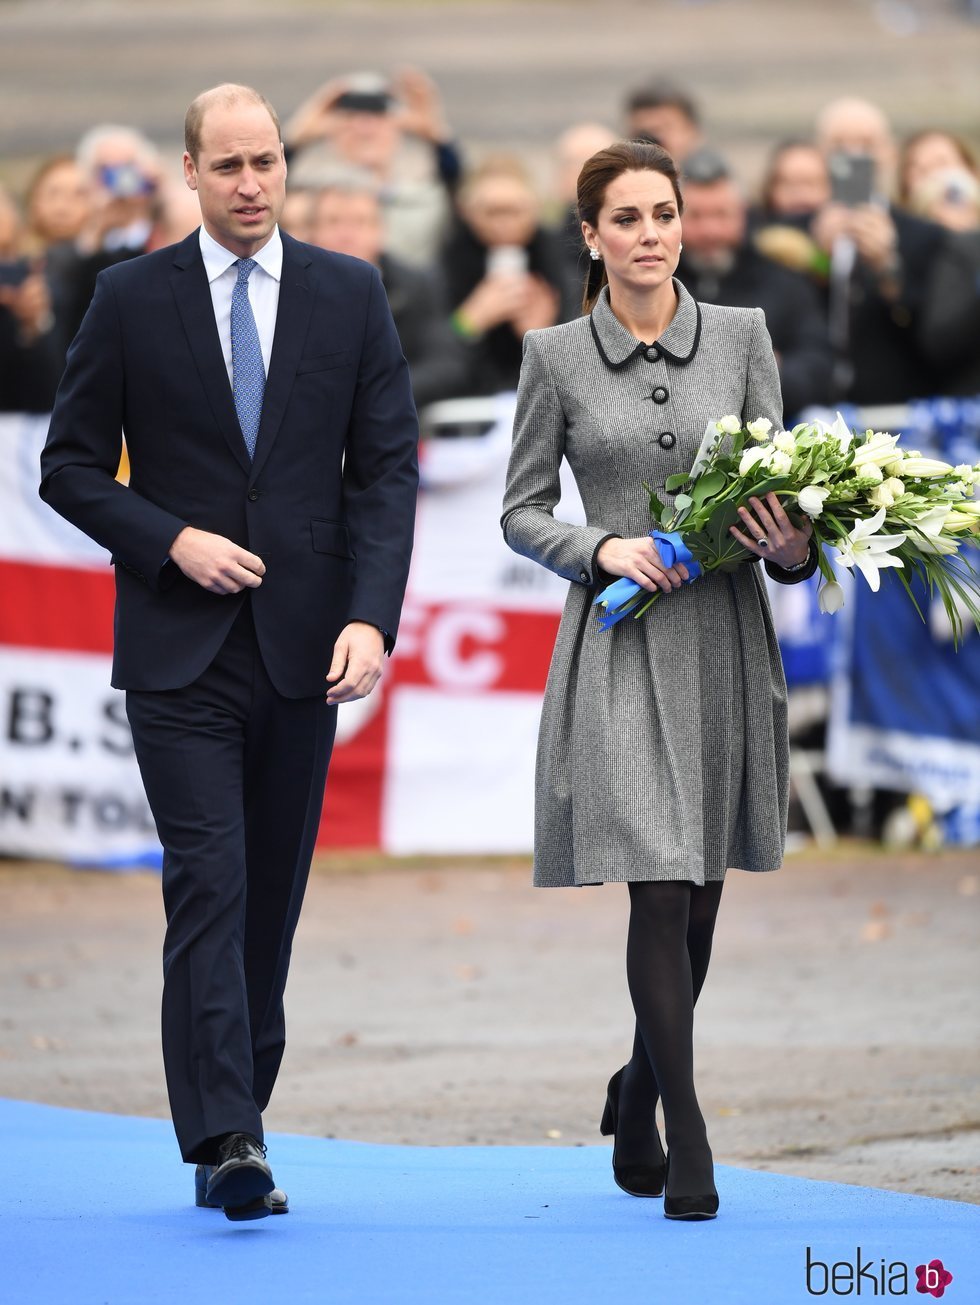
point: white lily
(964, 518)
(811, 499)
(925, 468)
(830, 597)
(930, 527)
(865, 549)
(878, 449)
(842, 432)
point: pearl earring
(680, 247)
(594, 254)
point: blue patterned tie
(247, 367)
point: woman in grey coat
(662, 753)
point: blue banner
(905, 705)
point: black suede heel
(690, 1207)
(638, 1180)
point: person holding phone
(29, 358)
(504, 272)
(395, 129)
(880, 261)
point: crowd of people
(863, 251)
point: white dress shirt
(220, 264)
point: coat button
(583, 576)
(660, 394)
(254, 495)
(668, 439)
(653, 354)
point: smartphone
(14, 272)
(364, 101)
(852, 178)
(507, 260)
(125, 181)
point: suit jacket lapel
(193, 297)
(296, 297)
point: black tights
(667, 952)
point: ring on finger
(762, 542)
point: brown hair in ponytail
(594, 180)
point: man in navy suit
(261, 551)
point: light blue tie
(247, 367)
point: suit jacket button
(668, 439)
(583, 576)
(653, 353)
(660, 394)
(254, 495)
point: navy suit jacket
(328, 503)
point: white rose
(784, 442)
(750, 457)
(830, 597)
(882, 496)
(780, 463)
(811, 499)
(729, 425)
(896, 486)
(758, 429)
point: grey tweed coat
(662, 750)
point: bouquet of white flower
(875, 504)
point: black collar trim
(641, 348)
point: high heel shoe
(689, 1207)
(638, 1180)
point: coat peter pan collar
(678, 344)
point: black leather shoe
(241, 1180)
(277, 1200)
(638, 1180)
(690, 1207)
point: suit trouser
(234, 774)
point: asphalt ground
(837, 1037)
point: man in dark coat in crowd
(881, 268)
(720, 265)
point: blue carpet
(98, 1211)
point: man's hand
(358, 659)
(215, 563)
(875, 236)
(421, 106)
(317, 117)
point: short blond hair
(226, 94)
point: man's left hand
(358, 660)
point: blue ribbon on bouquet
(672, 549)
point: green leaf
(656, 506)
(682, 501)
(707, 486)
(674, 482)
